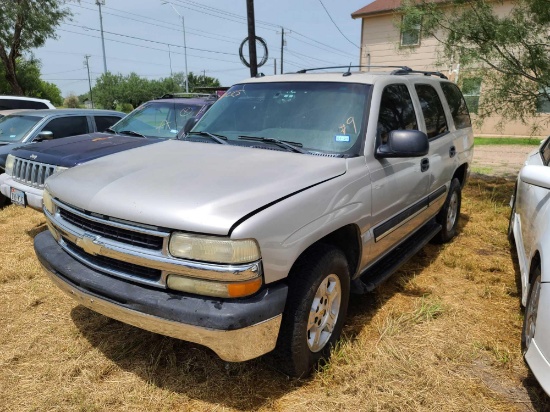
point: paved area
(496, 160)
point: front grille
(31, 173)
(110, 232)
(107, 264)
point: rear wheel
(512, 216)
(531, 311)
(314, 315)
(449, 213)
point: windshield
(14, 128)
(157, 119)
(319, 116)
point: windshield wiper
(291, 146)
(109, 130)
(131, 133)
(216, 137)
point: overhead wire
(333, 22)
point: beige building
(382, 43)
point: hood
(190, 186)
(70, 151)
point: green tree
(24, 25)
(198, 81)
(107, 91)
(28, 74)
(511, 52)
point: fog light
(217, 289)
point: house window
(410, 31)
(543, 100)
(471, 89)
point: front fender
(287, 228)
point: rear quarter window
(457, 105)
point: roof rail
(399, 70)
(355, 67)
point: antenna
(348, 73)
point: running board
(388, 265)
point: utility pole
(274, 66)
(99, 3)
(87, 56)
(184, 43)
(282, 46)
(251, 38)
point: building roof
(381, 6)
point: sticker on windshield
(173, 131)
(12, 136)
(342, 138)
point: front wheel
(531, 311)
(449, 213)
(319, 287)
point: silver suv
(249, 234)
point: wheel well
(461, 174)
(348, 240)
(535, 262)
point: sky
(146, 37)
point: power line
(332, 20)
(144, 47)
(164, 25)
(151, 41)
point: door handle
(452, 151)
(424, 164)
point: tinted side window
(10, 104)
(545, 152)
(457, 105)
(103, 122)
(67, 126)
(396, 111)
(434, 115)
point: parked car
(30, 126)
(529, 231)
(250, 233)
(155, 120)
(37, 125)
(23, 102)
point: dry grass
(443, 334)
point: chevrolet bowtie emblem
(88, 243)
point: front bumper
(33, 195)
(237, 330)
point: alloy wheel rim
(531, 314)
(453, 211)
(324, 312)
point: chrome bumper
(236, 329)
(230, 345)
(32, 194)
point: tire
(319, 284)
(531, 311)
(449, 213)
(4, 200)
(511, 219)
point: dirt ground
(443, 334)
(504, 161)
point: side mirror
(536, 176)
(189, 125)
(43, 135)
(404, 143)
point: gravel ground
(496, 160)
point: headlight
(10, 161)
(48, 202)
(60, 169)
(213, 249)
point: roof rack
(399, 70)
(185, 95)
(408, 70)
